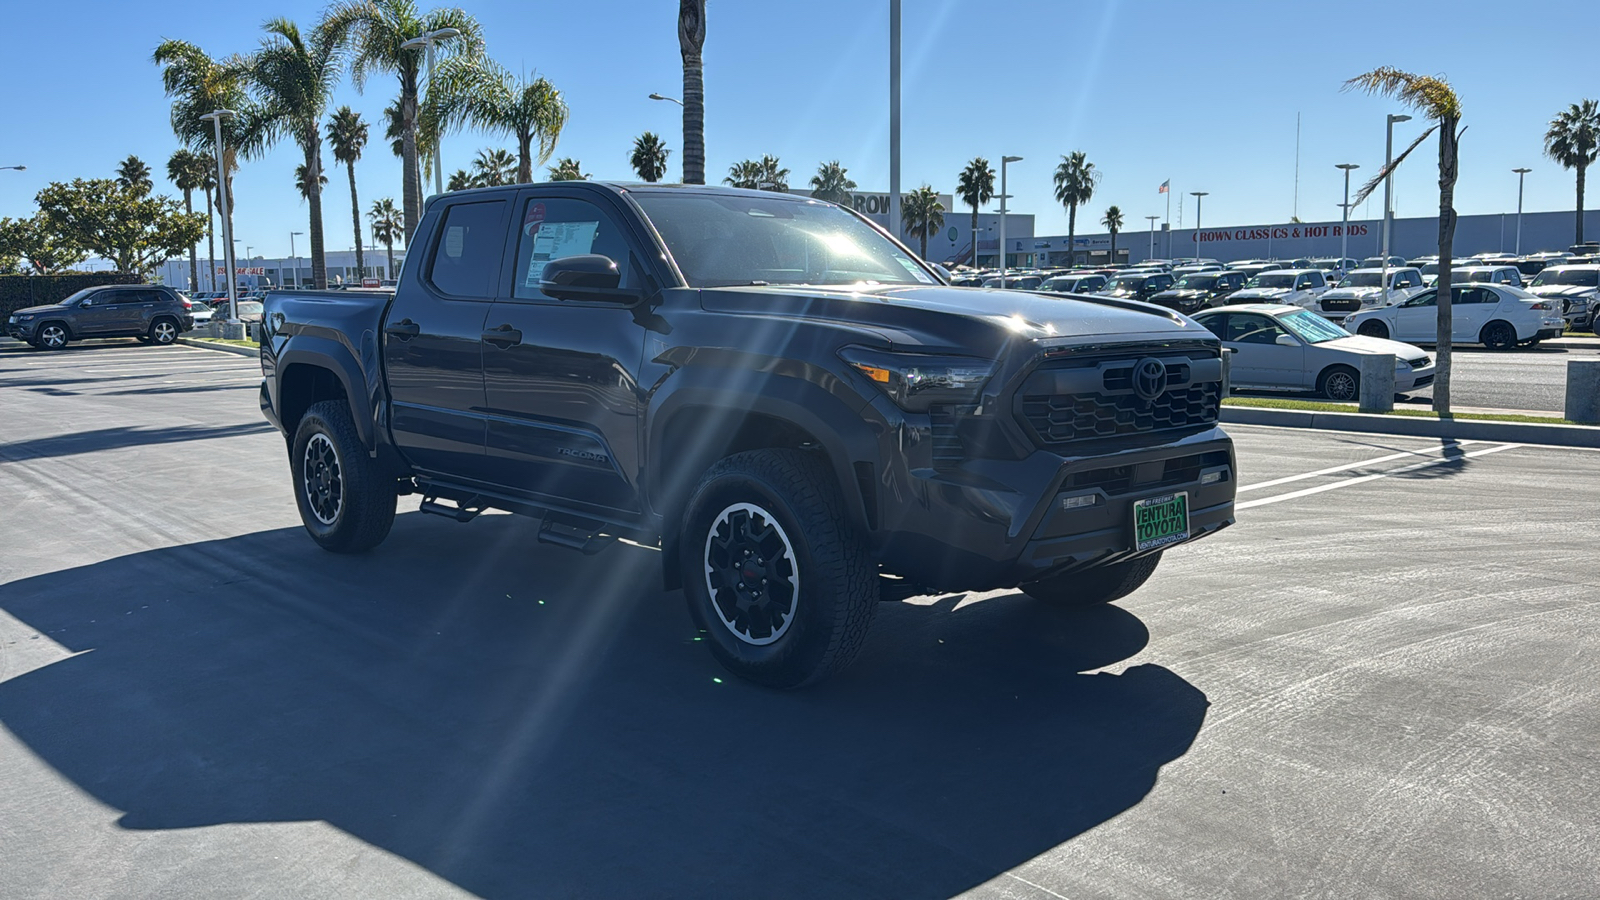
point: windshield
(1197, 282)
(1312, 328)
(1362, 279)
(719, 241)
(77, 296)
(249, 307)
(1271, 280)
(1430, 269)
(1579, 277)
(1125, 283)
(1468, 277)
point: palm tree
(293, 76)
(691, 40)
(924, 215)
(744, 174)
(489, 97)
(1075, 181)
(347, 134)
(1574, 141)
(1112, 220)
(198, 84)
(388, 226)
(975, 187)
(773, 176)
(1434, 97)
(188, 171)
(375, 31)
(133, 173)
(210, 186)
(567, 169)
(831, 183)
(460, 180)
(493, 168)
(649, 157)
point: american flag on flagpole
(1164, 186)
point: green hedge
(19, 291)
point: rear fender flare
(323, 353)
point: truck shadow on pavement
(524, 721)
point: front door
(560, 376)
(1265, 353)
(433, 340)
(111, 313)
(1417, 319)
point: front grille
(1081, 399)
(1424, 381)
(1419, 362)
(1341, 304)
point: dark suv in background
(152, 313)
(1199, 290)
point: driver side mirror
(587, 277)
(1286, 340)
(86, 302)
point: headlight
(27, 318)
(916, 382)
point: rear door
(561, 376)
(433, 337)
(1471, 307)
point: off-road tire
(1095, 586)
(364, 511)
(836, 582)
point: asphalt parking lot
(1383, 682)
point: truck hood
(1560, 290)
(35, 310)
(963, 319)
(1267, 293)
(1346, 293)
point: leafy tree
(567, 169)
(744, 174)
(924, 215)
(375, 32)
(1112, 220)
(975, 187)
(493, 168)
(388, 226)
(460, 180)
(1075, 180)
(1573, 141)
(294, 76)
(831, 183)
(189, 172)
(765, 174)
(347, 134)
(773, 176)
(199, 84)
(133, 173)
(136, 230)
(691, 41)
(649, 157)
(489, 97)
(36, 242)
(1434, 98)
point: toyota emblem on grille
(1149, 378)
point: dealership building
(268, 272)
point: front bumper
(22, 331)
(987, 524)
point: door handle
(405, 329)
(503, 337)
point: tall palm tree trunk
(194, 255)
(355, 220)
(1582, 169)
(211, 242)
(924, 254)
(691, 40)
(319, 252)
(974, 235)
(1072, 237)
(525, 158)
(1113, 260)
(389, 272)
(1448, 161)
(410, 190)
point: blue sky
(1203, 93)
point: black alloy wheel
(1498, 335)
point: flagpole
(1169, 218)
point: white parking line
(1363, 479)
(1355, 465)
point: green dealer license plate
(1159, 521)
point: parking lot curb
(225, 348)
(1461, 429)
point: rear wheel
(1095, 586)
(344, 501)
(1371, 328)
(774, 572)
(1498, 335)
(1341, 384)
(163, 331)
(52, 336)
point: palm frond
(1383, 171)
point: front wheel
(1095, 586)
(52, 336)
(344, 501)
(1341, 384)
(1374, 329)
(774, 571)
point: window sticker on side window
(454, 237)
(556, 240)
(914, 270)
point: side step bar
(463, 511)
(574, 533)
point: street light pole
(1152, 238)
(668, 99)
(1004, 161)
(295, 257)
(894, 120)
(1198, 198)
(1520, 174)
(1344, 235)
(1388, 183)
(425, 43)
(216, 116)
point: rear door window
(466, 259)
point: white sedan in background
(1286, 348)
(1494, 315)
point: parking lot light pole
(1388, 203)
(1004, 161)
(668, 99)
(216, 116)
(1520, 174)
(1152, 238)
(1344, 235)
(294, 258)
(425, 43)
(1199, 197)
